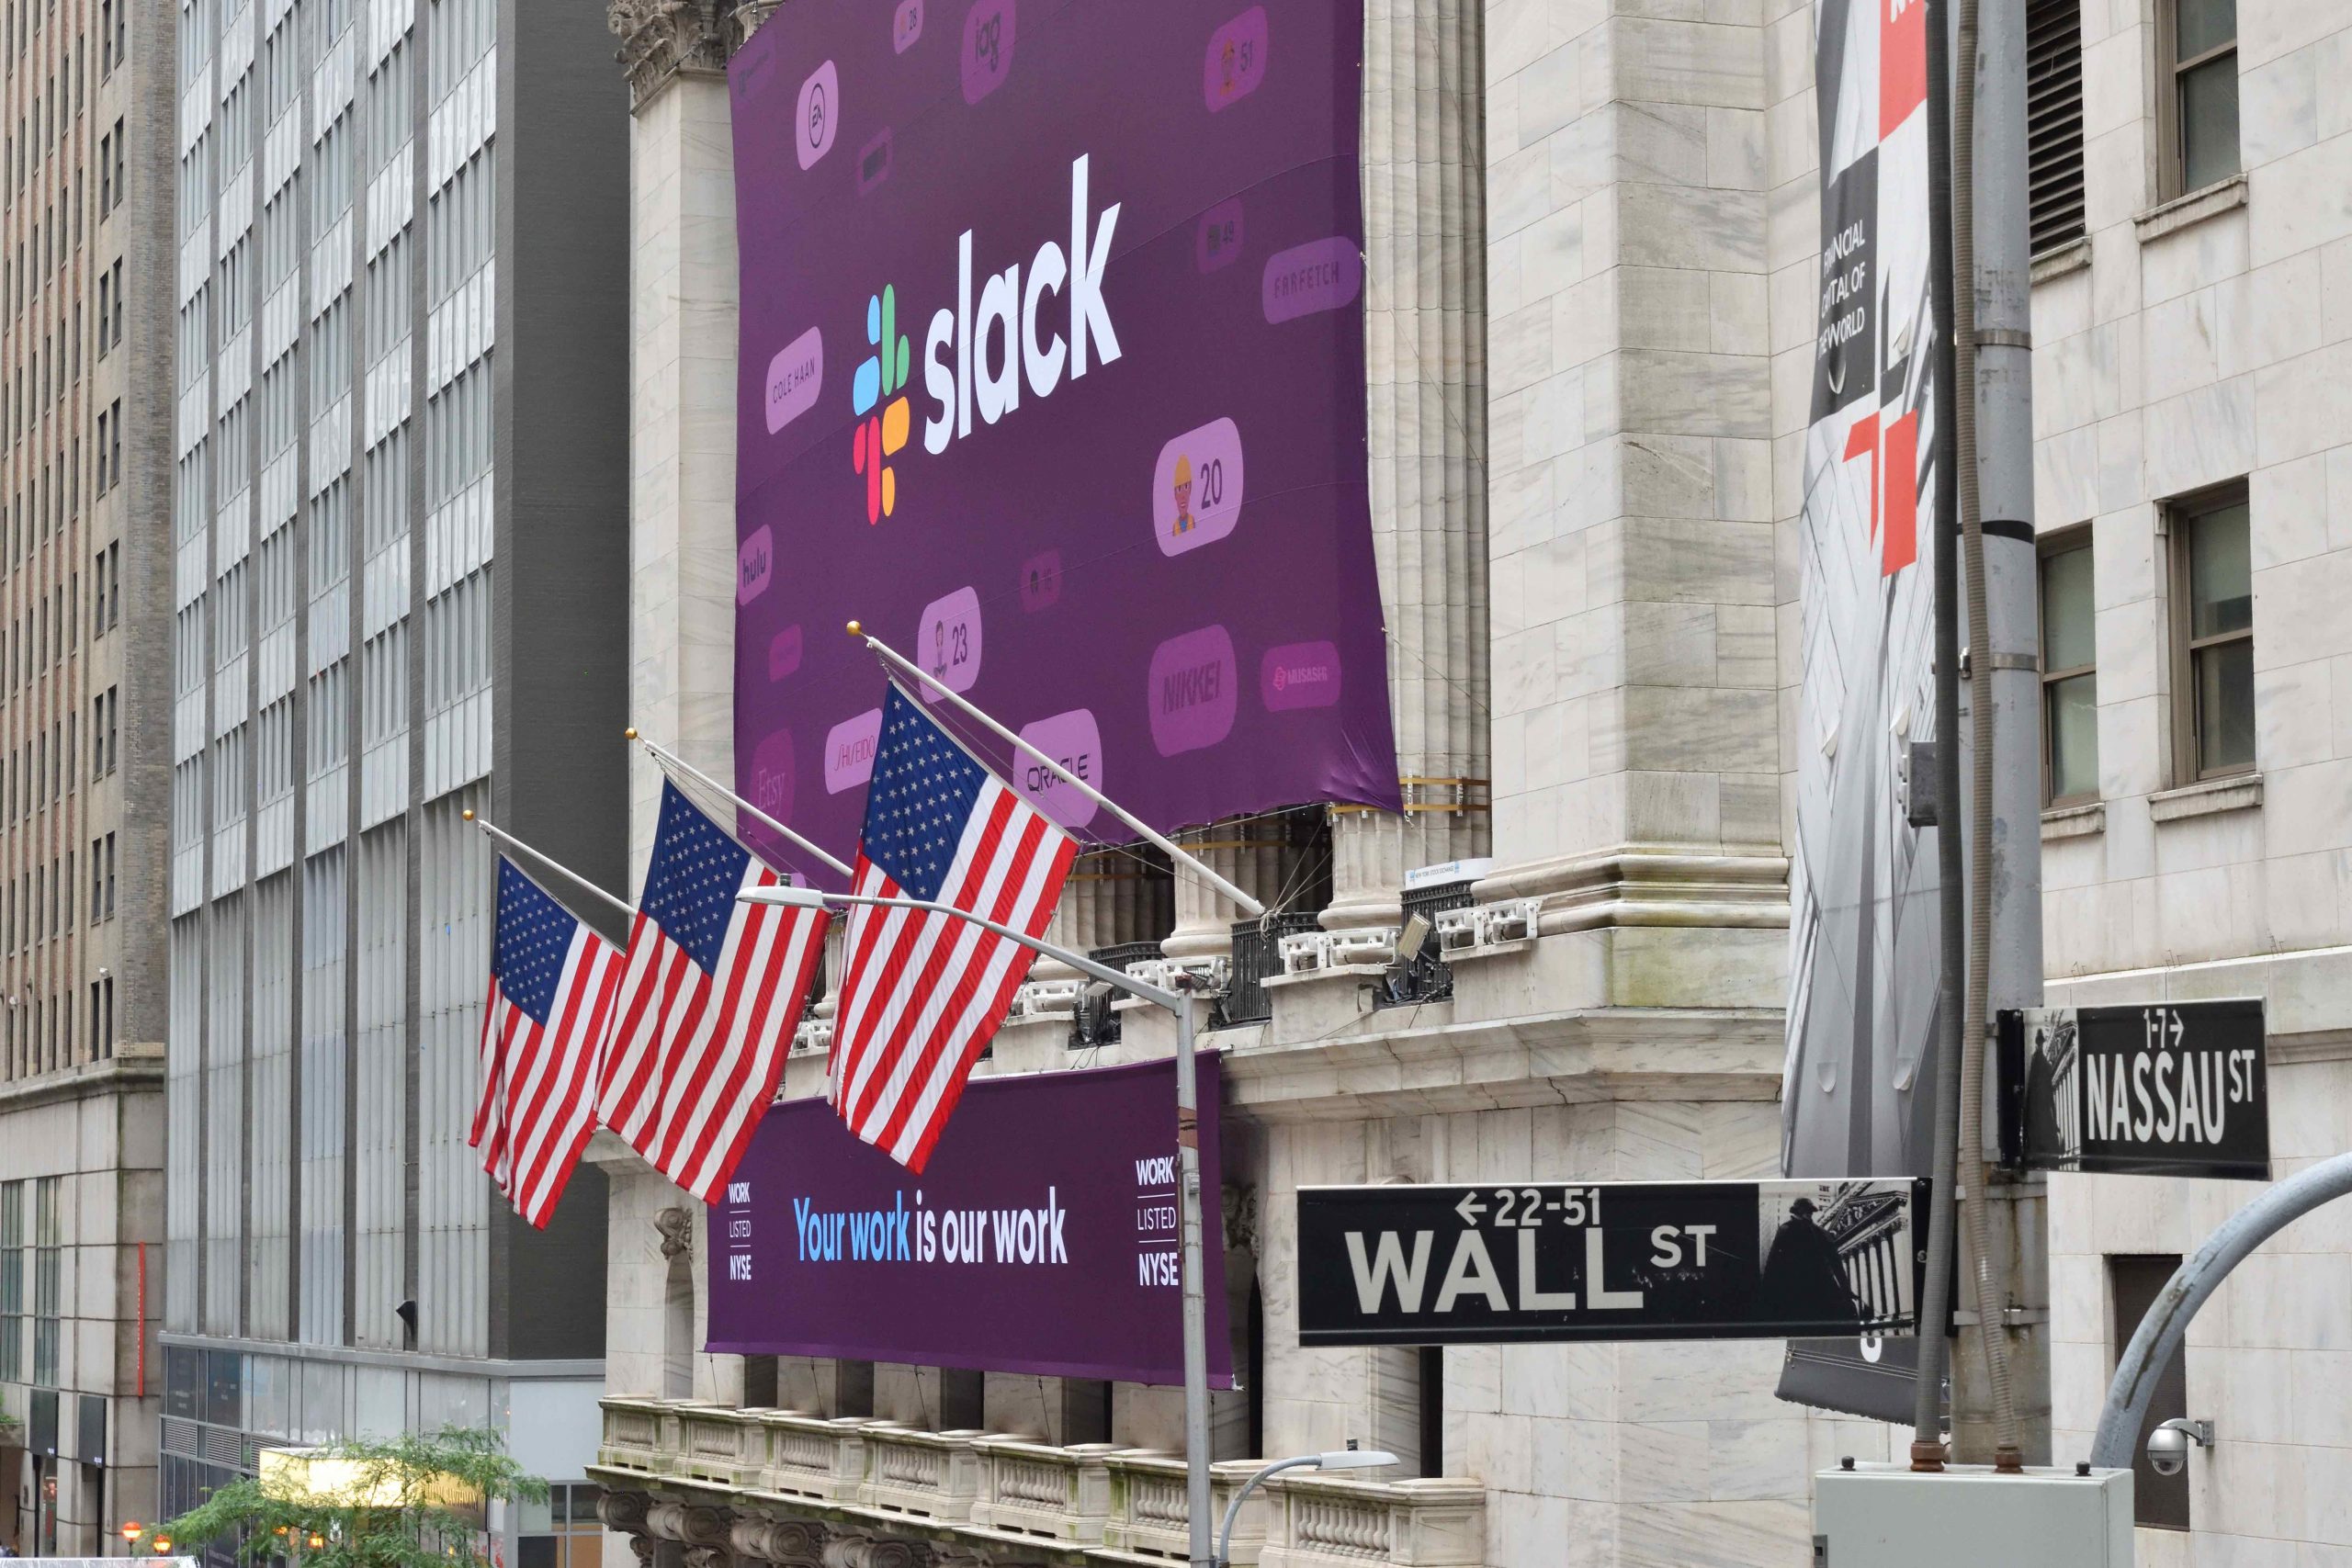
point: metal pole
(2005, 684)
(627, 910)
(892, 657)
(1233, 1509)
(1196, 1348)
(2141, 1364)
(1935, 1306)
(668, 758)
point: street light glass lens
(786, 895)
(1354, 1459)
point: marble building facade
(1592, 262)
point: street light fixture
(1338, 1459)
(1188, 1155)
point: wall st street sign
(2167, 1088)
(1536, 1261)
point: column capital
(663, 39)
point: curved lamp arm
(1233, 1509)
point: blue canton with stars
(690, 888)
(924, 791)
(534, 933)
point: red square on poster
(1900, 455)
(1902, 61)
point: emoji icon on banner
(1183, 490)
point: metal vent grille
(2054, 105)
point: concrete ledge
(2072, 257)
(2073, 821)
(2186, 211)
(2239, 792)
(132, 1070)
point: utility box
(1887, 1516)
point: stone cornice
(131, 1070)
(1643, 885)
(1542, 1059)
(663, 39)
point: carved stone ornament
(706, 1557)
(677, 1228)
(643, 1546)
(875, 1552)
(662, 39)
(624, 1511)
(789, 1543)
(690, 1524)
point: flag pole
(891, 656)
(628, 911)
(670, 760)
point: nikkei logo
(882, 373)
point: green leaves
(414, 1501)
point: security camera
(2169, 1444)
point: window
(563, 1531)
(2160, 1502)
(48, 1271)
(119, 159)
(12, 1268)
(2213, 580)
(2198, 100)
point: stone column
(681, 545)
(1425, 326)
(1637, 750)
(682, 389)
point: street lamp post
(1338, 1459)
(1188, 1162)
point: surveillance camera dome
(2168, 1450)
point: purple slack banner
(1043, 1236)
(1052, 374)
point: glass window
(2214, 701)
(12, 1281)
(2203, 45)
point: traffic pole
(1196, 1331)
(1994, 312)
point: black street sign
(2169, 1088)
(1538, 1262)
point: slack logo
(980, 359)
(880, 436)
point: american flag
(551, 984)
(922, 993)
(708, 1006)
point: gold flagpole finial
(629, 734)
(855, 630)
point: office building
(85, 563)
(396, 479)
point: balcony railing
(1015, 1501)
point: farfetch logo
(879, 435)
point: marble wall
(2184, 345)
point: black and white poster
(1548, 1261)
(2167, 1088)
(1864, 959)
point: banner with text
(1864, 959)
(1042, 1237)
(1052, 374)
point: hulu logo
(882, 375)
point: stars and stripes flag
(551, 986)
(707, 1004)
(922, 993)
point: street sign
(1548, 1260)
(2168, 1088)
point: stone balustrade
(770, 1485)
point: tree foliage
(414, 1501)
